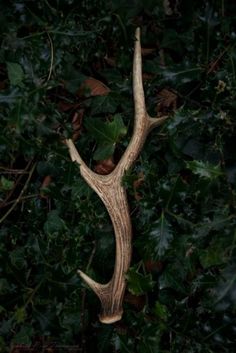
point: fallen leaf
(2, 85)
(147, 51)
(136, 301)
(105, 167)
(147, 77)
(77, 123)
(167, 101)
(65, 106)
(136, 185)
(93, 87)
(153, 266)
(46, 182)
(110, 61)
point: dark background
(66, 68)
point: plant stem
(20, 196)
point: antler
(109, 188)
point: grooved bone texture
(109, 188)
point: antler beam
(109, 188)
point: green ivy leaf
(20, 315)
(103, 104)
(103, 152)
(24, 335)
(161, 311)
(173, 277)
(204, 169)
(5, 184)
(161, 235)
(106, 134)
(54, 223)
(138, 283)
(15, 73)
(211, 257)
(17, 258)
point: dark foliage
(182, 284)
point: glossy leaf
(107, 134)
(5, 184)
(204, 169)
(138, 283)
(15, 73)
(161, 235)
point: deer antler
(109, 188)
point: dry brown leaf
(77, 123)
(148, 77)
(46, 182)
(65, 106)
(136, 185)
(105, 167)
(153, 266)
(147, 51)
(137, 301)
(167, 101)
(2, 85)
(93, 87)
(110, 61)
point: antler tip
(137, 33)
(90, 282)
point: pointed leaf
(15, 73)
(204, 169)
(104, 152)
(106, 134)
(138, 283)
(161, 235)
(24, 335)
(161, 311)
(5, 184)
(226, 290)
(103, 104)
(17, 258)
(54, 223)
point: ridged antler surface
(109, 188)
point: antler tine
(138, 92)
(143, 123)
(110, 189)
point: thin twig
(208, 71)
(15, 185)
(13, 171)
(20, 196)
(189, 100)
(213, 65)
(22, 199)
(52, 57)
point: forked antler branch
(109, 188)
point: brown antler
(109, 188)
